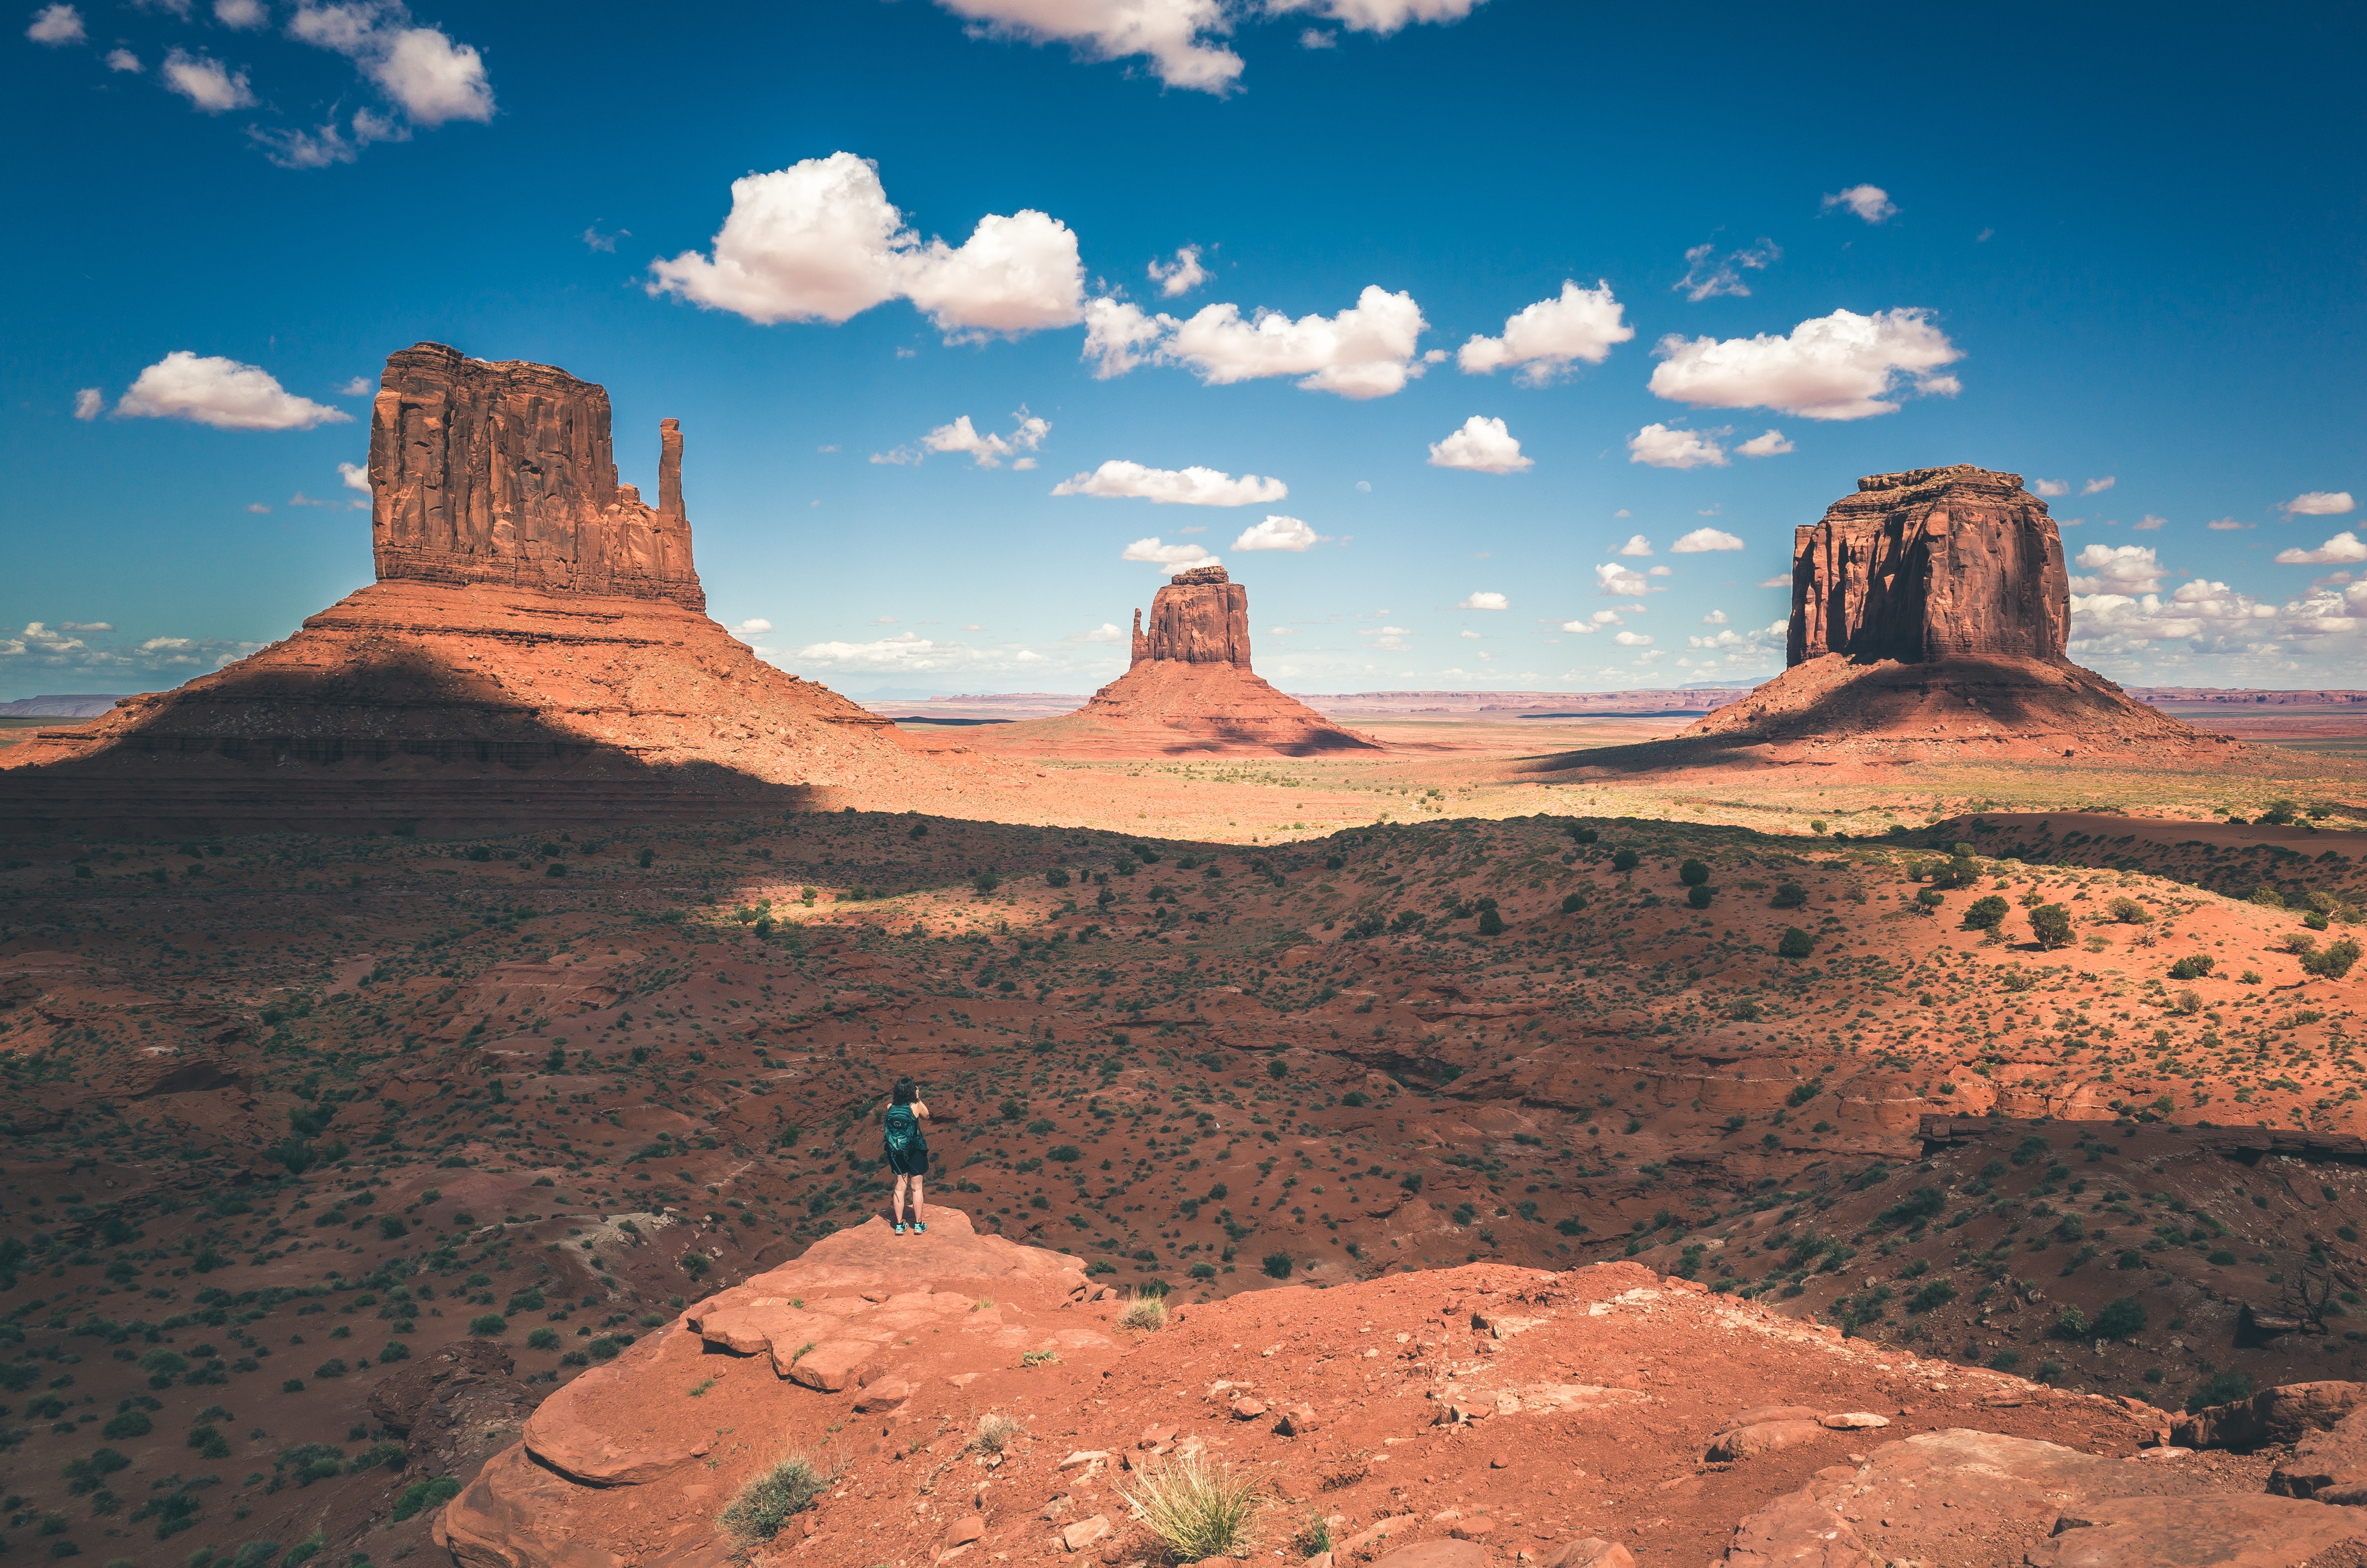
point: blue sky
(2124, 259)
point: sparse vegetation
(1196, 1508)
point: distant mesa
(535, 650)
(1930, 620)
(1189, 690)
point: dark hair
(905, 1094)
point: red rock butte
(1188, 690)
(534, 649)
(1930, 620)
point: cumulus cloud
(1632, 639)
(1278, 532)
(1382, 16)
(1663, 447)
(2227, 525)
(1105, 632)
(123, 60)
(909, 651)
(240, 14)
(1771, 445)
(207, 83)
(328, 143)
(820, 240)
(1621, 581)
(1778, 581)
(2098, 486)
(89, 403)
(57, 26)
(2318, 504)
(1483, 445)
(1714, 618)
(2148, 524)
(2344, 547)
(1706, 278)
(1485, 600)
(209, 390)
(432, 79)
(1844, 366)
(2117, 569)
(1636, 545)
(1177, 37)
(1367, 350)
(1195, 486)
(1543, 340)
(2051, 487)
(986, 450)
(1181, 276)
(1173, 557)
(355, 477)
(2210, 616)
(52, 647)
(1870, 202)
(750, 630)
(1703, 540)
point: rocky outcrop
(1933, 563)
(503, 473)
(1188, 690)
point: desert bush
(1625, 861)
(1491, 923)
(1277, 1264)
(985, 882)
(1582, 834)
(1790, 895)
(1058, 877)
(2193, 968)
(1146, 1312)
(1986, 914)
(2129, 911)
(770, 1501)
(2268, 897)
(1693, 873)
(1572, 902)
(1929, 900)
(2051, 925)
(2223, 1387)
(1794, 943)
(1196, 1508)
(2333, 961)
(2119, 1319)
(422, 1494)
(995, 1432)
(1698, 896)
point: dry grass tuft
(1197, 1507)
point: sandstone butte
(534, 647)
(1930, 617)
(1189, 690)
(961, 1395)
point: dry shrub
(1196, 1508)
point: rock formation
(1189, 690)
(1930, 615)
(503, 473)
(535, 648)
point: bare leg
(916, 1198)
(900, 1198)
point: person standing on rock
(908, 1149)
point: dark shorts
(913, 1162)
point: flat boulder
(2216, 1529)
(1763, 1438)
(2330, 1466)
(1592, 1552)
(1447, 1553)
(2281, 1414)
(1797, 1532)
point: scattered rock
(1592, 1552)
(1084, 1532)
(2330, 1466)
(965, 1530)
(2281, 1415)
(1436, 1555)
(1763, 1438)
(1854, 1421)
(2221, 1529)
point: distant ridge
(69, 705)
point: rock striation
(1188, 690)
(503, 473)
(534, 649)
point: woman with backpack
(908, 1149)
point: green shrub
(1794, 943)
(1491, 923)
(543, 1339)
(2333, 961)
(770, 1501)
(488, 1323)
(1277, 1264)
(2120, 1319)
(1583, 835)
(1693, 873)
(1698, 896)
(2268, 897)
(1986, 914)
(2129, 911)
(1625, 861)
(1572, 902)
(1790, 895)
(2194, 968)
(2223, 1388)
(1938, 1292)
(2051, 925)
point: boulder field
(955, 1395)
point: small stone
(1083, 1457)
(1855, 1421)
(1499, 1461)
(1247, 1409)
(964, 1531)
(1084, 1532)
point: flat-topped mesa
(1201, 617)
(503, 473)
(1933, 563)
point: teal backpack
(903, 1129)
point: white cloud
(2227, 525)
(2209, 614)
(1173, 557)
(1620, 581)
(1632, 640)
(258, 508)
(2342, 547)
(89, 403)
(358, 386)
(1382, 16)
(240, 14)
(1662, 572)
(1105, 632)
(1779, 582)
(905, 651)
(2318, 504)
(1714, 618)
(1543, 340)
(1870, 202)
(87, 625)
(1703, 540)
(986, 451)
(2148, 524)
(206, 82)
(1278, 532)
(1706, 280)
(1485, 600)
(750, 630)
(1181, 276)
(1663, 447)
(1842, 365)
(431, 78)
(355, 476)
(1177, 36)
(2117, 569)
(595, 240)
(222, 394)
(57, 26)
(2051, 487)
(2098, 486)
(1771, 445)
(1483, 445)
(122, 60)
(820, 240)
(1636, 545)
(1367, 350)
(1193, 486)
(326, 145)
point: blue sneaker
(918, 1226)
(899, 1228)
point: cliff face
(1200, 618)
(503, 473)
(1933, 563)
